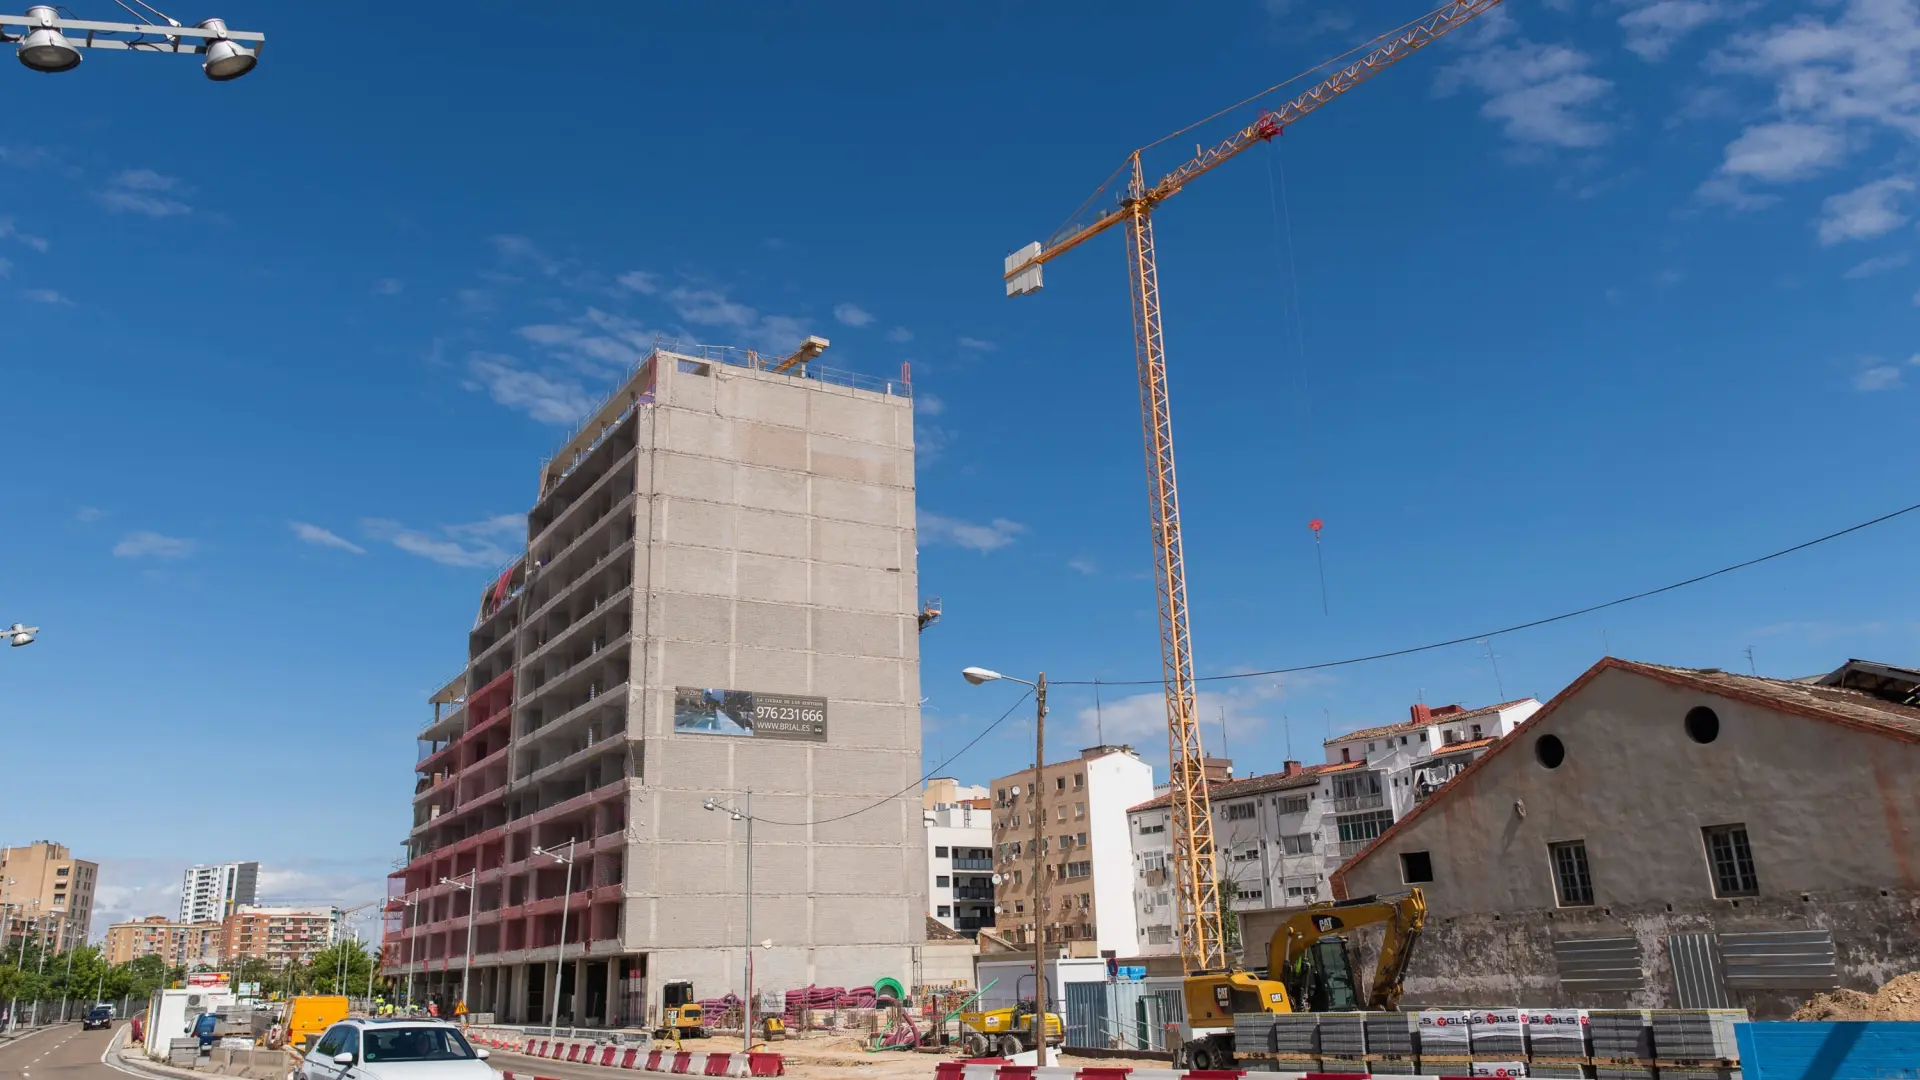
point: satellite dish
(997, 879)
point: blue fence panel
(1842, 1050)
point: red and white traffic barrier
(1002, 1069)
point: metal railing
(973, 864)
(1344, 848)
(1349, 803)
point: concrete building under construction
(718, 597)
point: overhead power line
(917, 784)
(1465, 638)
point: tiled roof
(1308, 776)
(1829, 704)
(1438, 720)
(939, 931)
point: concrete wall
(1114, 783)
(1832, 815)
(777, 555)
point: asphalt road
(63, 1052)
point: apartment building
(278, 935)
(178, 944)
(47, 894)
(211, 893)
(1278, 837)
(717, 601)
(959, 845)
(1083, 851)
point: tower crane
(1197, 892)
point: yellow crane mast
(1202, 945)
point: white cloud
(143, 191)
(899, 335)
(1654, 29)
(992, 536)
(639, 281)
(709, 307)
(89, 514)
(928, 405)
(1141, 719)
(9, 231)
(476, 544)
(1542, 95)
(1783, 151)
(387, 286)
(520, 249)
(1877, 377)
(977, 344)
(1870, 210)
(46, 296)
(1083, 564)
(1879, 264)
(142, 543)
(853, 314)
(550, 400)
(314, 534)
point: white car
(371, 1049)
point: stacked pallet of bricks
(1558, 1044)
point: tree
(347, 956)
(1229, 918)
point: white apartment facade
(211, 893)
(960, 863)
(1085, 851)
(1279, 837)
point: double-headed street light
(473, 904)
(977, 676)
(560, 954)
(43, 44)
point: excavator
(1309, 969)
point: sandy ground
(821, 1056)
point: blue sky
(1591, 297)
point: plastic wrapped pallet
(1343, 1034)
(1556, 1032)
(1620, 1033)
(1443, 1032)
(1696, 1034)
(1497, 1034)
(1557, 1072)
(1390, 1033)
(1499, 1068)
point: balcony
(1350, 803)
(1346, 849)
(973, 864)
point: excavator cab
(1324, 982)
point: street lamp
(473, 904)
(560, 952)
(977, 676)
(13, 1005)
(43, 44)
(413, 935)
(19, 634)
(744, 813)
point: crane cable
(1282, 210)
(1528, 625)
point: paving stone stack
(1696, 1034)
(1497, 1034)
(1620, 1033)
(1343, 1042)
(1555, 1033)
(1391, 1033)
(1558, 1072)
(1251, 1033)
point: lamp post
(473, 903)
(413, 935)
(976, 676)
(744, 813)
(17, 635)
(43, 46)
(13, 1005)
(560, 951)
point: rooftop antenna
(1754, 671)
(1286, 728)
(1498, 683)
(1225, 750)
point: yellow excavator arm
(1404, 915)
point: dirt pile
(1899, 999)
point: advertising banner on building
(209, 979)
(709, 711)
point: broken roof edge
(1684, 677)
